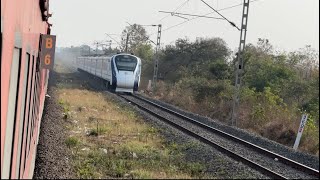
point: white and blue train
(121, 72)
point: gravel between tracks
(229, 144)
(211, 156)
(217, 164)
(303, 158)
(52, 153)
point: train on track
(23, 84)
(119, 73)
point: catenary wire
(232, 23)
(179, 7)
(230, 7)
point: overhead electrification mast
(156, 60)
(239, 62)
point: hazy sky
(288, 24)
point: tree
(110, 51)
(264, 69)
(85, 49)
(220, 69)
(264, 46)
(194, 58)
(136, 35)
(305, 60)
(145, 52)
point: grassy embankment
(110, 141)
(259, 116)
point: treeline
(199, 76)
(277, 86)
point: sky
(288, 24)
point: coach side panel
(97, 66)
(106, 69)
(20, 32)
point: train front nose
(125, 81)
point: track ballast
(260, 159)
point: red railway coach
(23, 83)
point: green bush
(85, 170)
(72, 142)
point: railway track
(260, 159)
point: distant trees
(195, 58)
(277, 86)
(293, 76)
(134, 37)
(199, 76)
(144, 51)
(263, 69)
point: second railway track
(260, 159)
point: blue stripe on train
(136, 80)
(114, 76)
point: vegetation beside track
(108, 140)
(198, 76)
(277, 87)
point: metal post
(156, 59)
(239, 62)
(97, 48)
(127, 41)
(300, 131)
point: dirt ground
(52, 155)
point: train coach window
(22, 111)
(126, 63)
(29, 117)
(26, 116)
(11, 114)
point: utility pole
(156, 60)
(105, 46)
(97, 48)
(156, 56)
(127, 41)
(239, 63)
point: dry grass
(109, 141)
(90, 110)
(184, 98)
(276, 123)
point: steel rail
(231, 154)
(259, 149)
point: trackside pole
(239, 62)
(300, 131)
(156, 59)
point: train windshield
(126, 62)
